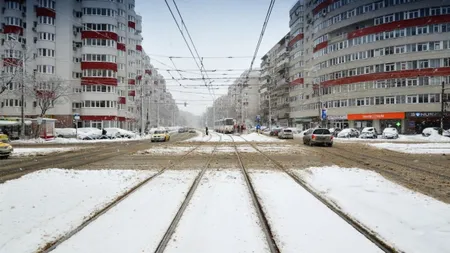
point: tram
(225, 126)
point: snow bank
(42, 206)
(409, 220)
(401, 138)
(255, 137)
(423, 148)
(39, 151)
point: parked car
(369, 132)
(348, 133)
(430, 131)
(316, 136)
(160, 135)
(335, 131)
(390, 133)
(5, 147)
(286, 134)
(275, 131)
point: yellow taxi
(160, 135)
(5, 147)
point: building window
(45, 52)
(46, 69)
(50, 4)
(46, 20)
(99, 58)
(99, 42)
(100, 12)
(46, 36)
(99, 73)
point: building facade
(93, 47)
(372, 63)
(274, 90)
(244, 97)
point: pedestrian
(206, 130)
(104, 132)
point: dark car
(275, 132)
(182, 130)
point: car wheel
(310, 143)
(330, 145)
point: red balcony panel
(122, 100)
(148, 72)
(139, 77)
(99, 65)
(40, 11)
(445, 71)
(99, 35)
(121, 119)
(99, 81)
(45, 94)
(297, 81)
(139, 48)
(121, 47)
(132, 24)
(7, 62)
(322, 6)
(132, 93)
(98, 117)
(399, 24)
(295, 39)
(12, 29)
(320, 46)
(131, 81)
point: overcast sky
(218, 28)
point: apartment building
(274, 89)
(373, 63)
(94, 47)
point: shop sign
(425, 114)
(337, 117)
(373, 116)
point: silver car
(316, 136)
(286, 134)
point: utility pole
(270, 105)
(142, 106)
(22, 98)
(441, 130)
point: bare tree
(47, 93)
(11, 63)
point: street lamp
(443, 107)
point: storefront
(337, 121)
(12, 127)
(417, 121)
(304, 123)
(378, 120)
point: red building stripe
(11, 62)
(139, 48)
(399, 24)
(121, 119)
(132, 93)
(99, 35)
(445, 71)
(132, 81)
(122, 100)
(121, 47)
(12, 29)
(297, 81)
(320, 46)
(148, 71)
(322, 6)
(99, 65)
(295, 39)
(132, 24)
(98, 117)
(40, 11)
(98, 81)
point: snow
(74, 140)
(166, 150)
(216, 137)
(39, 151)
(42, 206)
(300, 222)
(409, 220)
(219, 218)
(423, 148)
(255, 137)
(139, 222)
(401, 138)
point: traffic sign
(324, 113)
(76, 116)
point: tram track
(54, 244)
(366, 232)
(256, 203)
(72, 159)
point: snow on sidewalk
(300, 222)
(219, 218)
(422, 148)
(139, 222)
(19, 152)
(42, 206)
(409, 220)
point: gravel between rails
(73, 159)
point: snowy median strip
(138, 223)
(219, 218)
(216, 137)
(423, 148)
(19, 152)
(300, 222)
(408, 220)
(40, 207)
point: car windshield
(344, 131)
(367, 130)
(229, 122)
(390, 130)
(287, 130)
(322, 131)
(159, 132)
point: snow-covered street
(20, 152)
